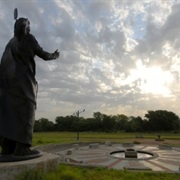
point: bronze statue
(18, 91)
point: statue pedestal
(9, 170)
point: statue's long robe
(18, 88)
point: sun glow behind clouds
(151, 79)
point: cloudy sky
(117, 56)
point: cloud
(101, 43)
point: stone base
(46, 162)
(13, 158)
(130, 153)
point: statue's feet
(31, 154)
(21, 153)
(8, 146)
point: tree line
(159, 120)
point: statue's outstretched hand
(56, 54)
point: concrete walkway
(163, 159)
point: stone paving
(164, 158)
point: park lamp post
(77, 113)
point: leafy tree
(43, 124)
(91, 124)
(98, 116)
(137, 123)
(121, 121)
(108, 123)
(37, 126)
(65, 123)
(162, 120)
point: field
(69, 172)
(120, 137)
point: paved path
(166, 159)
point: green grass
(120, 137)
(68, 172)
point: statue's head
(21, 27)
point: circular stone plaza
(157, 158)
(110, 155)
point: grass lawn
(69, 172)
(120, 137)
